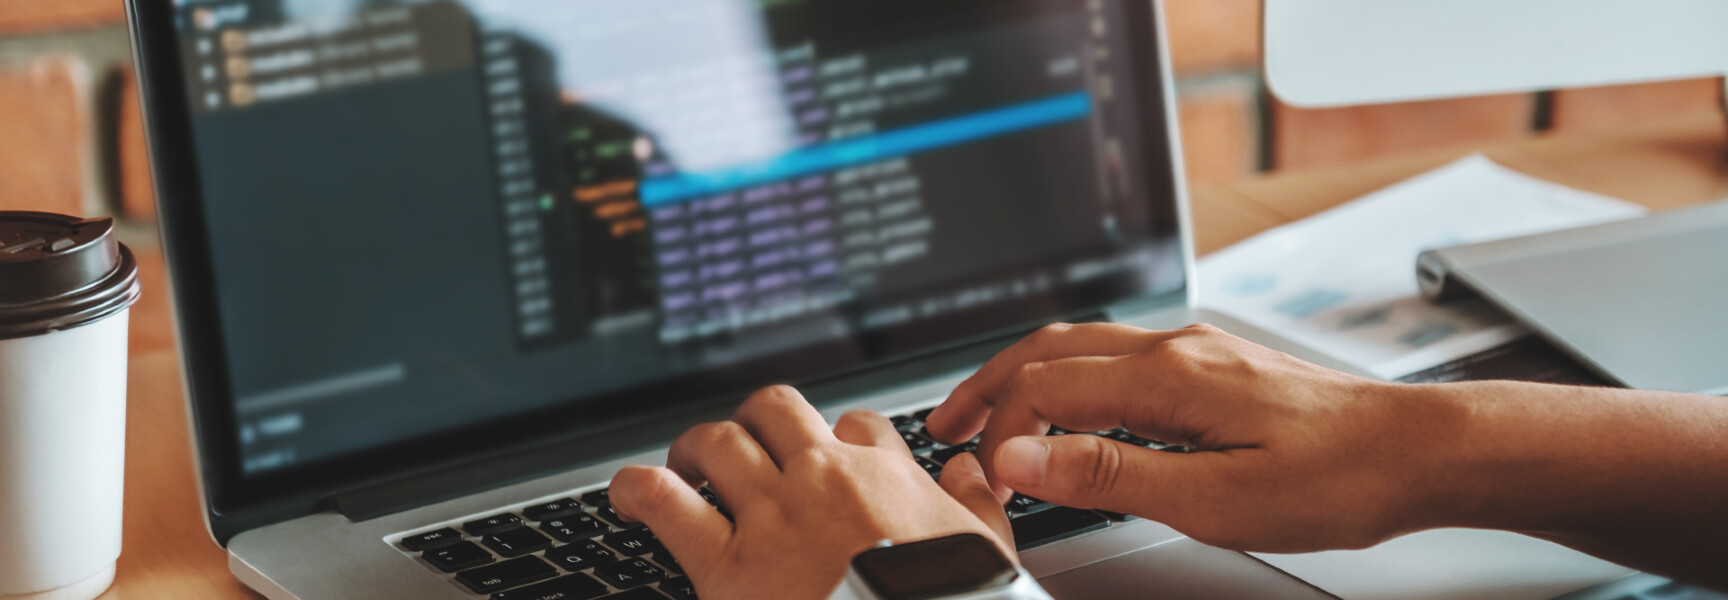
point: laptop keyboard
(577, 548)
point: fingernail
(968, 464)
(958, 467)
(1021, 461)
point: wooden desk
(1663, 165)
(168, 555)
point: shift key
(1058, 523)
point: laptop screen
(425, 217)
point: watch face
(945, 566)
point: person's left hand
(804, 500)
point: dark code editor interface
(425, 215)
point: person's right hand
(1290, 457)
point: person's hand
(805, 500)
(1290, 456)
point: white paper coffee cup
(66, 287)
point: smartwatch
(964, 566)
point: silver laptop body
(300, 520)
(1638, 301)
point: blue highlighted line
(857, 151)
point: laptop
(441, 268)
(1639, 302)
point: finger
(1087, 471)
(867, 428)
(724, 456)
(783, 422)
(964, 414)
(1082, 394)
(691, 529)
(964, 480)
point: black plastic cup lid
(59, 272)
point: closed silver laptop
(1638, 301)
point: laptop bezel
(156, 44)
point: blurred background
(71, 139)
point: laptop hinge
(513, 467)
(521, 465)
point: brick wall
(63, 67)
(73, 140)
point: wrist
(1433, 433)
(964, 566)
(1501, 454)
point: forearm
(1639, 478)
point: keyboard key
(631, 573)
(580, 555)
(1057, 523)
(914, 441)
(492, 524)
(665, 559)
(679, 588)
(1057, 431)
(903, 423)
(923, 415)
(632, 542)
(946, 454)
(1126, 438)
(1116, 516)
(458, 556)
(569, 587)
(574, 527)
(932, 467)
(431, 539)
(610, 516)
(517, 542)
(925, 431)
(1026, 505)
(638, 594)
(507, 574)
(553, 509)
(598, 498)
(709, 495)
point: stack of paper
(1344, 282)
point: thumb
(1087, 471)
(963, 479)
